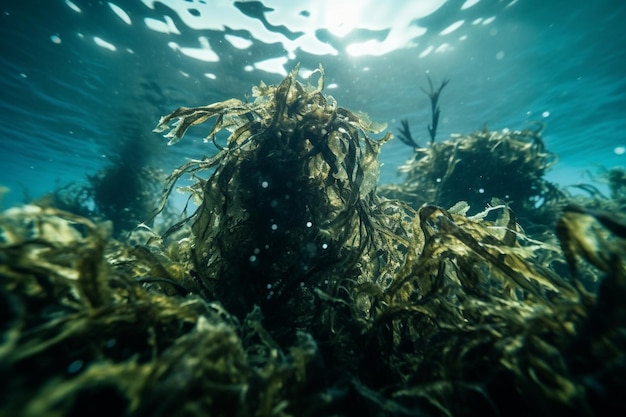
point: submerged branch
(405, 134)
(434, 103)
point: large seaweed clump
(508, 164)
(122, 192)
(290, 208)
(297, 291)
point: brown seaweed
(406, 311)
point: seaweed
(405, 135)
(87, 331)
(405, 132)
(434, 106)
(354, 304)
(289, 204)
(121, 192)
(509, 165)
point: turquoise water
(79, 79)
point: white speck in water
(274, 226)
(309, 224)
(438, 180)
(619, 150)
(265, 184)
(324, 245)
(73, 6)
(481, 190)
(252, 258)
(545, 114)
(55, 39)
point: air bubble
(75, 366)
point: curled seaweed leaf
(187, 117)
(43, 251)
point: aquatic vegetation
(405, 132)
(290, 203)
(298, 290)
(434, 104)
(405, 135)
(509, 165)
(121, 192)
(81, 332)
(616, 180)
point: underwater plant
(121, 192)
(405, 132)
(509, 165)
(434, 104)
(354, 304)
(616, 179)
(290, 204)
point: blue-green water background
(66, 103)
